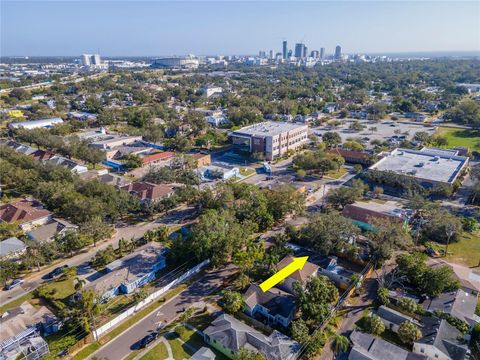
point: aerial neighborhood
(145, 203)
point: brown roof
(22, 211)
(350, 154)
(308, 269)
(145, 190)
(158, 156)
(42, 155)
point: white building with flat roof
(36, 124)
(428, 166)
(273, 139)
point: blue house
(130, 272)
(274, 305)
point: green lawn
(246, 171)
(466, 251)
(460, 137)
(336, 174)
(159, 352)
(179, 350)
(16, 302)
(60, 289)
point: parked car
(14, 284)
(56, 272)
(147, 340)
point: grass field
(159, 352)
(16, 302)
(460, 137)
(336, 174)
(466, 251)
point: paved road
(82, 259)
(120, 347)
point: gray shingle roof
(11, 246)
(445, 337)
(459, 303)
(275, 300)
(234, 335)
(394, 316)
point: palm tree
(79, 283)
(340, 344)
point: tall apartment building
(300, 50)
(273, 139)
(322, 53)
(91, 60)
(338, 52)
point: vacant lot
(466, 251)
(461, 137)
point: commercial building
(284, 50)
(185, 62)
(36, 124)
(228, 335)
(272, 139)
(91, 60)
(363, 212)
(429, 167)
(210, 91)
(322, 53)
(300, 51)
(338, 52)
(130, 272)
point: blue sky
(132, 28)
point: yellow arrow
(296, 264)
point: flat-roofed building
(272, 139)
(36, 124)
(429, 167)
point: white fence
(104, 328)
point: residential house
(20, 320)
(204, 353)
(67, 163)
(228, 335)
(441, 341)
(275, 305)
(339, 275)
(12, 248)
(392, 319)
(146, 191)
(42, 155)
(369, 347)
(301, 275)
(460, 303)
(27, 213)
(114, 180)
(130, 272)
(48, 232)
(468, 278)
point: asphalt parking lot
(385, 129)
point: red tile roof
(145, 190)
(158, 156)
(41, 155)
(23, 211)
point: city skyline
(124, 28)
